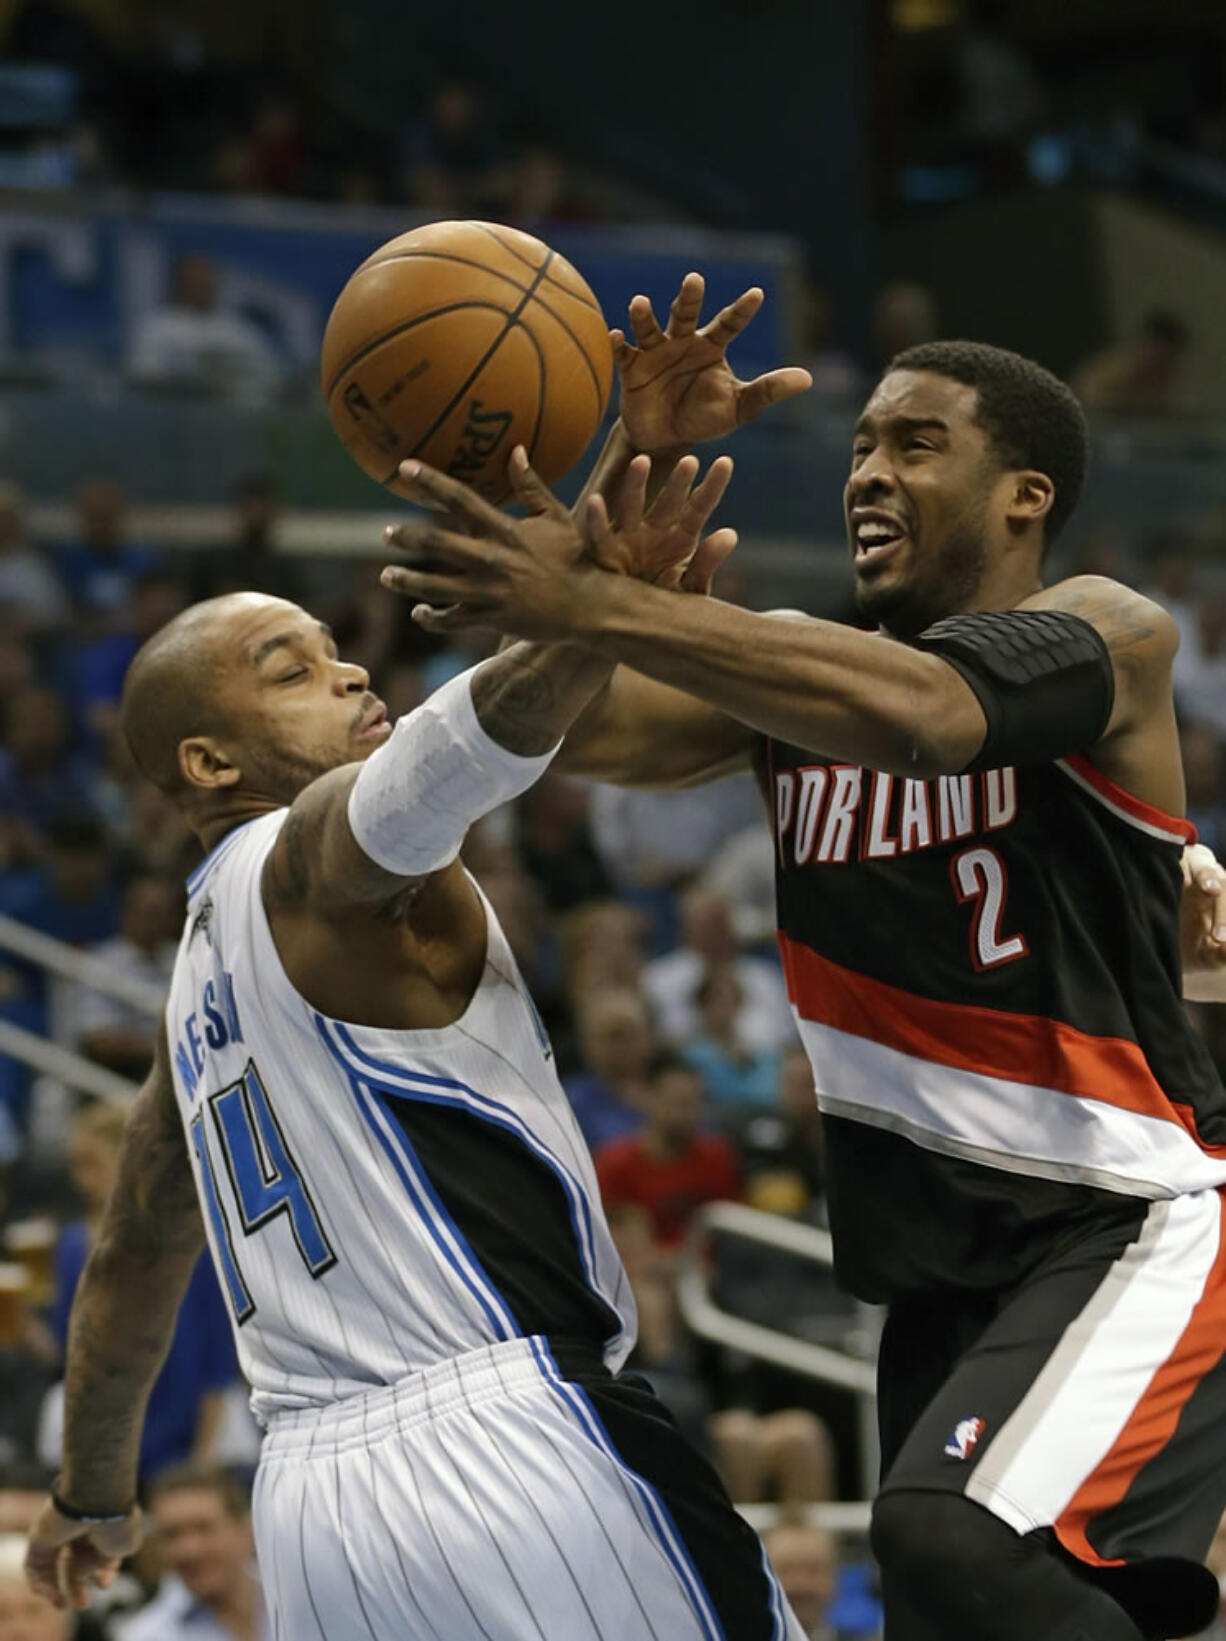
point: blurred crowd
(156, 104)
(643, 923)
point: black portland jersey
(986, 975)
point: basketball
(458, 341)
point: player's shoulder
(1126, 618)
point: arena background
(184, 188)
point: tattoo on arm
(516, 701)
(1122, 623)
(124, 1313)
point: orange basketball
(458, 341)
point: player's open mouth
(874, 536)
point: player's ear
(203, 762)
(1032, 498)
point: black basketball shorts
(1088, 1403)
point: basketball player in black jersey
(978, 818)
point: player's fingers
(633, 498)
(731, 321)
(430, 544)
(711, 552)
(530, 489)
(427, 586)
(644, 324)
(756, 396)
(596, 521)
(684, 314)
(623, 354)
(42, 1573)
(421, 483)
(707, 494)
(668, 506)
(455, 618)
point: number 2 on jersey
(264, 1179)
(979, 875)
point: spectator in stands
(42, 780)
(616, 1043)
(837, 379)
(904, 315)
(211, 1589)
(664, 1350)
(453, 157)
(1204, 773)
(197, 344)
(671, 1166)
(156, 838)
(1199, 670)
(101, 567)
(602, 946)
(650, 840)
(187, 1401)
(764, 1020)
(1144, 377)
(556, 845)
(25, 1616)
(806, 1563)
(114, 1033)
(32, 597)
(780, 1151)
(1171, 582)
(101, 660)
(743, 873)
(72, 896)
(278, 148)
(735, 1077)
(251, 562)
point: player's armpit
(124, 1313)
(643, 734)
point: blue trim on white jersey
(671, 1541)
(217, 853)
(446, 1091)
(400, 1153)
(776, 1589)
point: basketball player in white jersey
(355, 1102)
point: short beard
(282, 773)
(950, 585)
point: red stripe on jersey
(1135, 807)
(1153, 1421)
(1020, 1048)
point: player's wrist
(99, 1511)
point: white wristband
(416, 797)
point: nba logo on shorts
(964, 1439)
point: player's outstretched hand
(64, 1557)
(677, 387)
(1203, 926)
(527, 576)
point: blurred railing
(850, 1368)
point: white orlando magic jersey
(376, 1201)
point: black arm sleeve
(1044, 679)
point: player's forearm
(122, 1324)
(528, 696)
(124, 1313)
(839, 692)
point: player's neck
(211, 829)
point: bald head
(172, 688)
(238, 704)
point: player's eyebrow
(281, 640)
(903, 424)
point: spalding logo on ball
(458, 341)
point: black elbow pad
(1044, 679)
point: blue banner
(77, 281)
